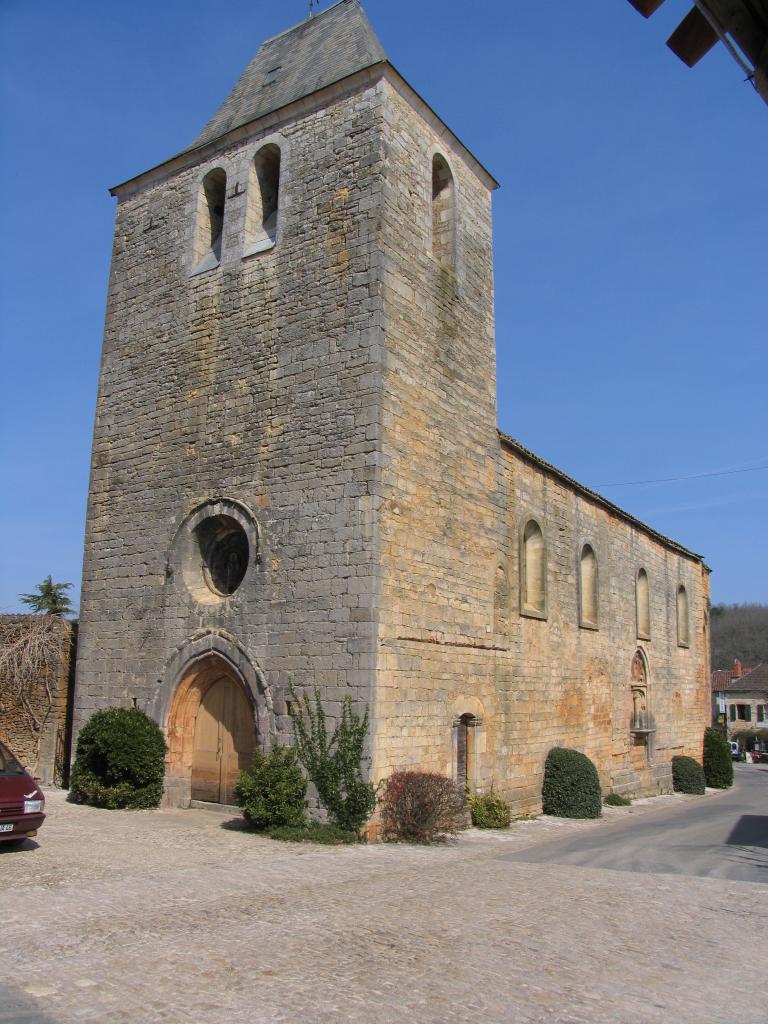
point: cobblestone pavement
(167, 916)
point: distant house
(740, 704)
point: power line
(674, 479)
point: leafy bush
(272, 791)
(119, 761)
(489, 811)
(687, 775)
(617, 800)
(335, 764)
(328, 835)
(571, 785)
(421, 807)
(718, 761)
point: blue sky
(630, 238)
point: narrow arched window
(443, 210)
(683, 630)
(588, 589)
(643, 605)
(210, 220)
(533, 581)
(263, 200)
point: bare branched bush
(31, 650)
(422, 807)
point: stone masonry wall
(442, 499)
(257, 382)
(570, 686)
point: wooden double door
(224, 741)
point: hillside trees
(739, 631)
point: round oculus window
(225, 551)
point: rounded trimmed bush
(571, 785)
(272, 791)
(718, 761)
(421, 807)
(687, 775)
(119, 761)
(490, 811)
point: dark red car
(21, 800)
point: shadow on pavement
(750, 830)
(26, 845)
(16, 1009)
(235, 825)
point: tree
(50, 598)
(739, 631)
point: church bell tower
(296, 413)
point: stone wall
(440, 523)
(36, 653)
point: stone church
(298, 481)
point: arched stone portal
(211, 733)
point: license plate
(6, 828)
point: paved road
(722, 837)
(170, 917)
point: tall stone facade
(297, 478)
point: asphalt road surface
(725, 836)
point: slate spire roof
(317, 52)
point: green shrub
(718, 761)
(617, 800)
(421, 807)
(571, 785)
(489, 811)
(687, 775)
(335, 764)
(119, 761)
(328, 835)
(272, 791)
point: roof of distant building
(721, 678)
(749, 680)
(321, 50)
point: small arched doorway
(465, 750)
(211, 733)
